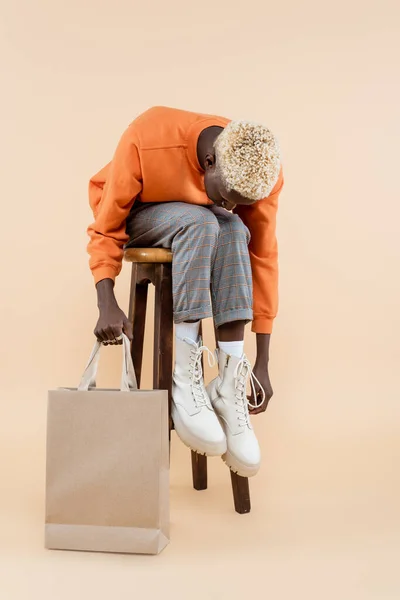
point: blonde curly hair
(248, 159)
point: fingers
(109, 335)
(117, 335)
(262, 407)
(100, 335)
(114, 332)
(257, 409)
(254, 400)
(110, 326)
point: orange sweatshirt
(156, 159)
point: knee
(239, 229)
(202, 219)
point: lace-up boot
(194, 418)
(229, 399)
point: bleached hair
(248, 159)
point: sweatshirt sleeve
(112, 193)
(260, 218)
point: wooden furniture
(154, 265)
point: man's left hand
(262, 374)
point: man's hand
(261, 372)
(112, 320)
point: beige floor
(325, 524)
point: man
(208, 189)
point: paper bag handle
(128, 378)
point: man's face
(217, 192)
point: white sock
(232, 348)
(187, 330)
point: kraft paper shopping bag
(107, 474)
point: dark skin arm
(112, 320)
(261, 372)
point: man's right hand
(112, 320)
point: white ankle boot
(194, 418)
(228, 397)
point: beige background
(324, 76)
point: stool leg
(137, 316)
(199, 471)
(163, 329)
(241, 493)
(199, 461)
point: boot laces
(200, 395)
(242, 373)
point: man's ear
(209, 161)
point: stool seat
(148, 255)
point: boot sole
(239, 468)
(234, 465)
(195, 444)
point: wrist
(105, 294)
(261, 362)
(263, 340)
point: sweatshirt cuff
(262, 325)
(101, 273)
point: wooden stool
(154, 265)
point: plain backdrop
(325, 78)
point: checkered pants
(211, 272)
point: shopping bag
(107, 470)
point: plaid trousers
(211, 271)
